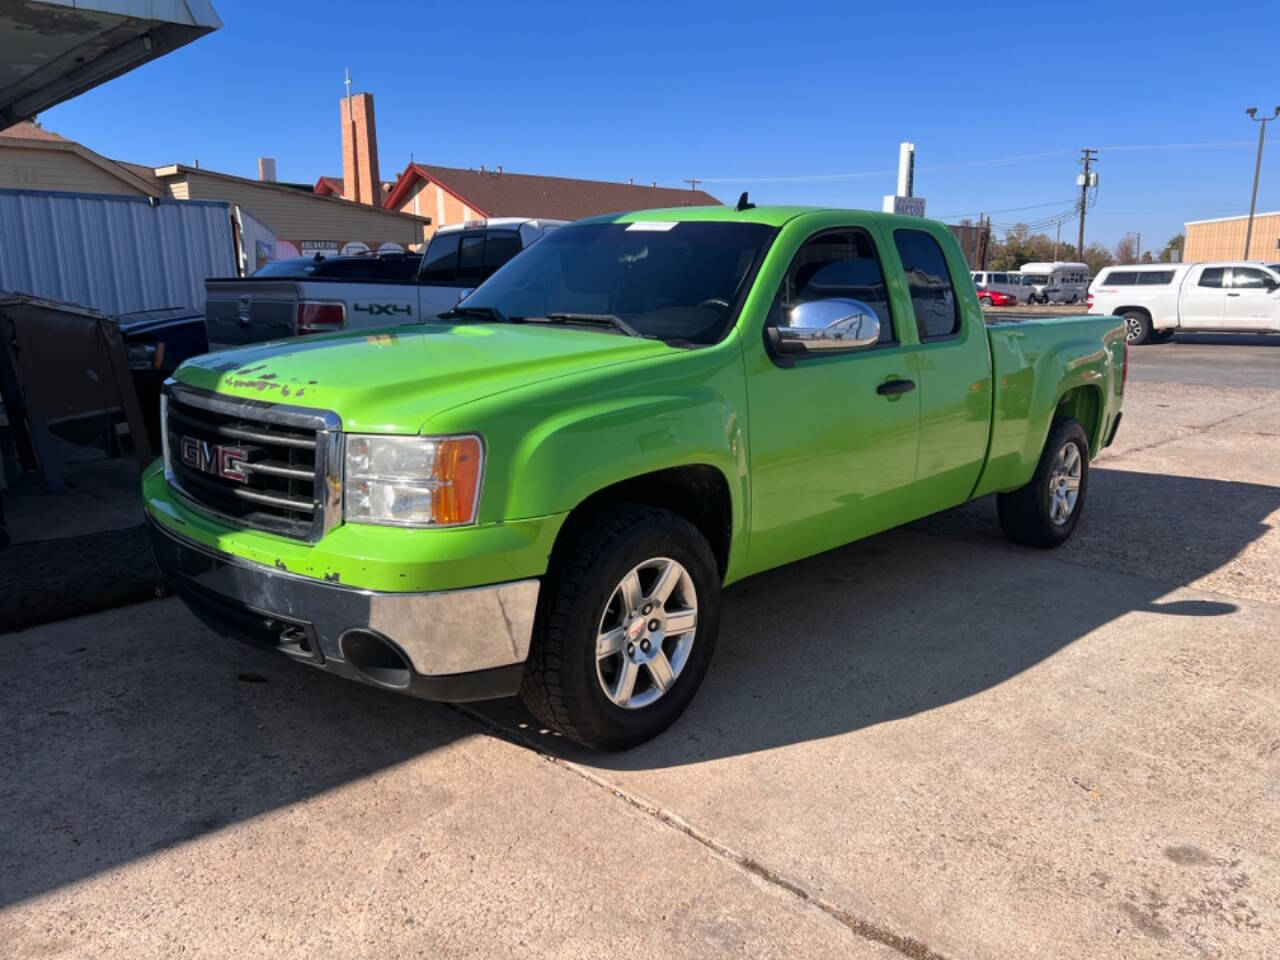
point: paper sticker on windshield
(652, 225)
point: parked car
(998, 282)
(156, 342)
(545, 490)
(1157, 300)
(1061, 281)
(383, 266)
(301, 296)
(995, 298)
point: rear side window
(1155, 278)
(837, 264)
(1120, 278)
(471, 258)
(1212, 277)
(932, 297)
(499, 247)
(440, 263)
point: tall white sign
(904, 201)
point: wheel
(984, 300)
(1045, 512)
(1137, 327)
(626, 625)
(1073, 299)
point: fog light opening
(376, 657)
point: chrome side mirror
(820, 326)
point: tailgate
(247, 310)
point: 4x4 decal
(382, 309)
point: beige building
(1223, 239)
(303, 222)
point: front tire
(1137, 327)
(626, 626)
(985, 301)
(1044, 513)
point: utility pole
(1087, 156)
(1257, 170)
(692, 182)
(1057, 239)
(1137, 253)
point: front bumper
(454, 645)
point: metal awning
(52, 50)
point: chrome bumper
(453, 645)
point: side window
(499, 247)
(1212, 277)
(440, 262)
(471, 259)
(932, 297)
(836, 264)
(1247, 278)
(1155, 278)
(999, 278)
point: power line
(995, 161)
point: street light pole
(1257, 171)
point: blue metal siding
(115, 254)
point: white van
(1061, 281)
(1158, 299)
(1000, 281)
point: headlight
(412, 481)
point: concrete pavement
(930, 743)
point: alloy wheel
(1064, 483)
(646, 632)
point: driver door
(833, 452)
(1252, 301)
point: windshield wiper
(484, 313)
(598, 319)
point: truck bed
(1036, 360)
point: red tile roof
(498, 194)
(29, 131)
(334, 187)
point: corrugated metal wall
(115, 254)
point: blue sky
(762, 96)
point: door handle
(891, 388)
(1233, 294)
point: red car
(994, 298)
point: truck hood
(393, 380)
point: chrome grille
(255, 464)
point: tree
(1172, 252)
(1126, 250)
(1096, 256)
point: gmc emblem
(220, 461)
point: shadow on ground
(151, 732)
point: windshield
(672, 281)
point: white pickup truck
(348, 293)
(1159, 299)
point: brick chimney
(360, 180)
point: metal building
(115, 254)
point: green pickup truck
(544, 491)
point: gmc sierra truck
(356, 293)
(544, 490)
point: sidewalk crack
(865, 929)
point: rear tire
(608, 559)
(985, 301)
(1137, 327)
(1045, 512)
